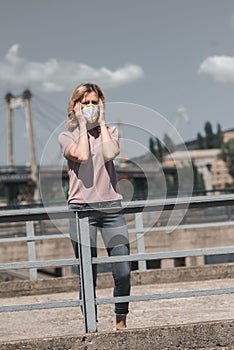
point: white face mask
(91, 113)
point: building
(207, 161)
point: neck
(94, 130)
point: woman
(90, 147)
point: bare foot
(121, 322)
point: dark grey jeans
(115, 236)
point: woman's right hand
(78, 113)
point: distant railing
(85, 260)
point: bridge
(18, 183)
(17, 180)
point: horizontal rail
(59, 212)
(38, 264)
(130, 230)
(188, 226)
(164, 255)
(121, 258)
(34, 238)
(185, 294)
(40, 306)
(102, 301)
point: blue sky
(175, 57)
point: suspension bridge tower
(15, 102)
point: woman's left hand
(101, 119)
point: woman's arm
(110, 147)
(80, 151)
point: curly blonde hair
(78, 95)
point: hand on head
(101, 118)
(78, 113)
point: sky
(174, 57)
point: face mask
(91, 113)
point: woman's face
(89, 106)
(89, 98)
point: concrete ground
(68, 322)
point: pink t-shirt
(95, 180)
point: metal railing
(85, 260)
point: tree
(211, 139)
(200, 141)
(210, 136)
(198, 180)
(219, 136)
(159, 149)
(156, 148)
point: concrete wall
(17, 288)
(207, 335)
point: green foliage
(160, 149)
(219, 136)
(156, 148)
(211, 139)
(210, 136)
(200, 141)
(198, 180)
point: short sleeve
(114, 133)
(65, 139)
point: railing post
(140, 239)
(86, 273)
(31, 247)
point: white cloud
(219, 68)
(54, 75)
